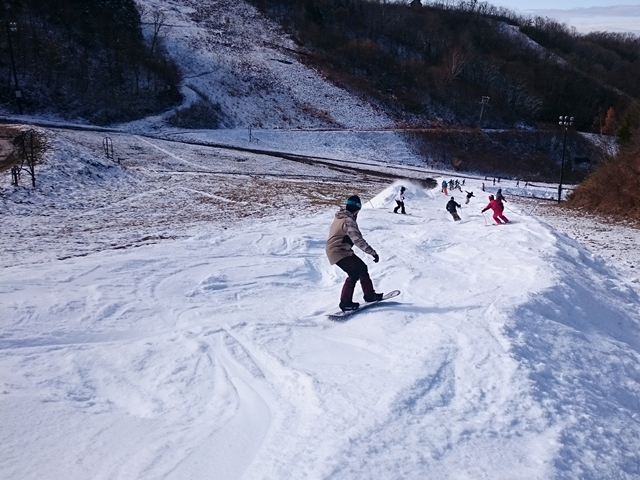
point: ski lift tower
(566, 122)
(484, 102)
(13, 27)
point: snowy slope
(232, 55)
(163, 314)
(511, 353)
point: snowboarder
(343, 234)
(469, 195)
(451, 208)
(444, 187)
(400, 201)
(497, 207)
(499, 196)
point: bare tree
(453, 64)
(32, 148)
(610, 122)
(158, 22)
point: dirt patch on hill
(8, 153)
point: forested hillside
(439, 59)
(613, 189)
(426, 64)
(82, 59)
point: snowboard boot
(375, 297)
(348, 306)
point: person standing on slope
(444, 187)
(343, 234)
(451, 208)
(499, 196)
(400, 201)
(497, 207)
(469, 195)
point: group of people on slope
(451, 185)
(496, 203)
(345, 233)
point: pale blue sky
(559, 4)
(584, 15)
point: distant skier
(497, 207)
(400, 201)
(469, 195)
(499, 196)
(483, 186)
(451, 208)
(444, 187)
(343, 234)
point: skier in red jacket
(497, 207)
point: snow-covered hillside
(232, 55)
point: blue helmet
(353, 203)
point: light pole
(13, 27)
(565, 122)
(485, 101)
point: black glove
(376, 258)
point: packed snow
(164, 312)
(512, 351)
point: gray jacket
(343, 234)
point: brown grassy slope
(614, 189)
(9, 154)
